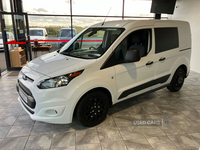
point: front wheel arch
(92, 108)
(106, 91)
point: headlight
(59, 81)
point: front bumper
(46, 109)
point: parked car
(38, 34)
(10, 37)
(65, 34)
(103, 65)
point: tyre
(177, 80)
(92, 108)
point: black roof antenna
(106, 17)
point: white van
(103, 65)
(10, 37)
(65, 34)
(38, 34)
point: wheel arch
(184, 67)
(106, 91)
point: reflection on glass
(92, 43)
(97, 7)
(61, 7)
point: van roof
(137, 23)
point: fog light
(51, 112)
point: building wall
(189, 10)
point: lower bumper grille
(32, 112)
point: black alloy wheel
(92, 108)
(177, 80)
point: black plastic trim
(153, 90)
(32, 112)
(184, 49)
(143, 86)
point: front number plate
(23, 96)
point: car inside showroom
(99, 75)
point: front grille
(24, 88)
(30, 99)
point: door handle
(162, 58)
(149, 63)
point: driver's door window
(140, 39)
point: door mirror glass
(132, 55)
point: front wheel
(177, 80)
(92, 108)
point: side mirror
(57, 35)
(46, 35)
(132, 55)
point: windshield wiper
(68, 54)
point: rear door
(166, 53)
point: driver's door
(137, 77)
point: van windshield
(92, 43)
(36, 32)
(66, 33)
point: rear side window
(166, 39)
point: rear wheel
(92, 109)
(177, 80)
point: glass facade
(6, 5)
(97, 7)
(80, 14)
(58, 7)
(52, 16)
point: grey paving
(18, 131)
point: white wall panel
(189, 10)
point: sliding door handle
(149, 63)
(162, 58)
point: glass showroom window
(52, 24)
(59, 7)
(97, 7)
(80, 23)
(6, 5)
(138, 8)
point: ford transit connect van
(103, 65)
